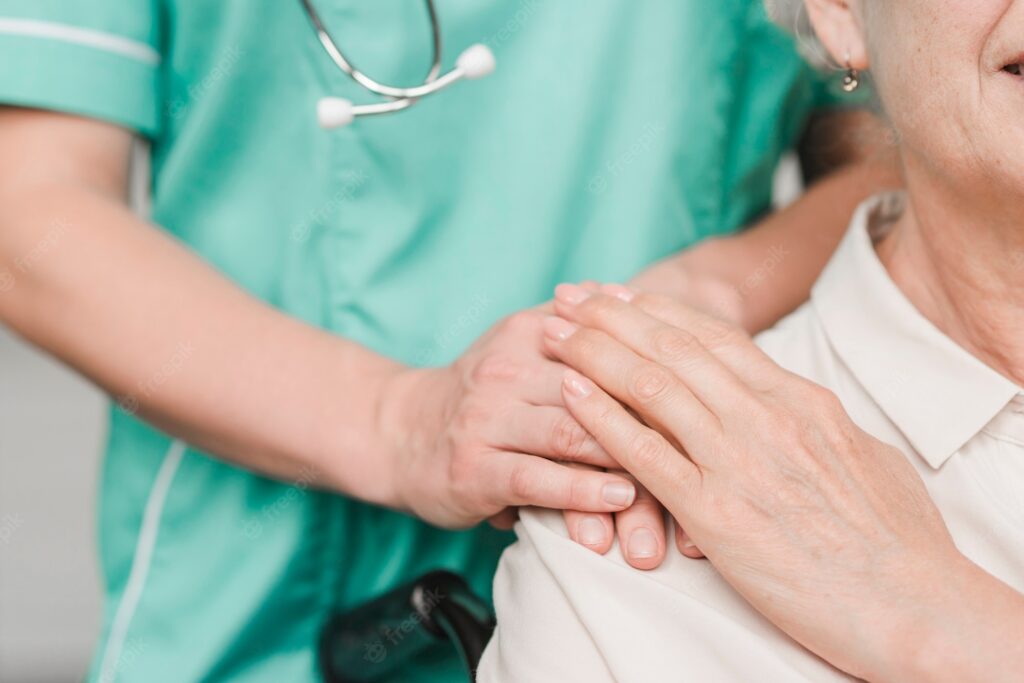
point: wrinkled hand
(806, 515)
(692, 277)
(490, 432)
(641, 528)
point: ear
(838, 26)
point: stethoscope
(475, 61)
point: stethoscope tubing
(475, 61)
(431, 83)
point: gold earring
(851, 80)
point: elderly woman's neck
(960, 260)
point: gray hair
(792, 16)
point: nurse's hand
(490, 433)
(640, 528)
(701, 276)
(807, 516)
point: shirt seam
(145, 545)
(1003, 437)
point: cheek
(927, 62)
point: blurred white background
(51, 431)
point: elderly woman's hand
(824, 529)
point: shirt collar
(935, 392)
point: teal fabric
(612, 134)
(69, 73)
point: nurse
(313, 338)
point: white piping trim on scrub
(80, 36)
(110, 666)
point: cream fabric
(566, 614)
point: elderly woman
(830, 553)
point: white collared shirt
(567, 614)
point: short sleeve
(96, 58)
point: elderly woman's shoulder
(799, 344)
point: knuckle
(495, 367)
(523, 322)
(831, 418)
(461, 473)
(520, 483)
(836, 434)
(646, 449)
(795, 432)
(818, 408)
(470, 419)
(673, 344)
(652, 303)
(568, 438)
(608, 414)
(599, 309)
(579, 492)
(649, 384)
(825, 400)
(719, 334)
(585, 345)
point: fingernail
(571, 294)
(619, 493)
(620, 292)
(689, 545)
(642, 544)
(557, 328)
(577, 385)
(591, 531)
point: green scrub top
(613, 133)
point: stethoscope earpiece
(476, 61)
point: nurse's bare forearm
(756, 277)
(773, 264)
(126, 305)
(131, 308)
